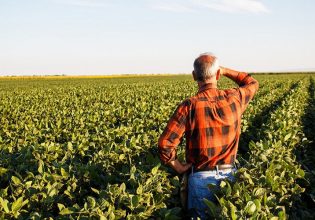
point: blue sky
(154, 36)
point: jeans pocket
(198, 190)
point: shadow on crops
(304, 204)
(254, 131)
(16, 163)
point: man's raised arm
(248, 85)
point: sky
(92, 37)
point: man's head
(206, 67)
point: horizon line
(148, 74)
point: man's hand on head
(179, 167)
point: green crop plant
(78, 148)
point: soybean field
(86, 148)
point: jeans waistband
(217, 168)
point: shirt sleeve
(173, 133)
(248, 86)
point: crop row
(259, 111)
(305, 154)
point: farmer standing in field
(211, 122)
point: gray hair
(205, 66)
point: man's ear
(194, 75)
(218, 75)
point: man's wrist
(222, 70)
(231, 74)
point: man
(211, 122)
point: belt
(216, 167)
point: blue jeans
(198, 188)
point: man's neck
(211, 84)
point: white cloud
(84, 3)
(252, 6)
(173, 7)
(229, 6)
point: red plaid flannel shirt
(211, 122)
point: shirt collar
(207, 86)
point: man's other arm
(248, 85)
(171, 137)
